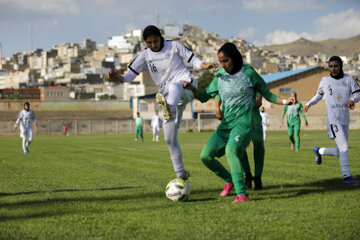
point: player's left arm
(261, 87)
(355, 94)
(187, 55)
(302, 114)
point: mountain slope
(303, 47)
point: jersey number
(152, 67)
(330, 90)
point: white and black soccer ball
(177, 190)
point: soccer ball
(177, 190)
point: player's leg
(137, 131)
(264, 132)
(259, 154)
(24, 144)
(290, 129)
(343, 146)
(239, 138)
(215, 147)
(157, 133)
(297, 136)
(246, 168)
(170, 137)
(30, 138)
(154, 132)
(319, 152)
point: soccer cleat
(258, 183)
(349, 180)
(164, 106)
(185, 176)
(248, 180)
(26, 152)
(135, 139)
(241, 198)
(317, 155)
(153, 139)
(227, 189)
(292, 146)
(297, 149)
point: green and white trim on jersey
(237, 93)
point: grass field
(109, 187)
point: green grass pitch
(109, 187)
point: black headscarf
(28, 104)
(230, 50)
(152, 30)
(341, 73)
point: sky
(30, 24)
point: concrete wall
(9, 105)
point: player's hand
(290, 101)
(282, 121)
(218, 114)
(115, 77)
(305, 108)
(211, 65)
(350, 104)
(14, 128)
(257, 103)
(306, 124)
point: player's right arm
(17, 121)
(318, 96)
(204, 96)
(137, 66)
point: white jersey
(26, 119)
(156, 121)
(337, 93)
(167, 65)
(265, 118)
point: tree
(205, 80)
(107, 97)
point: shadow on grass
(297, 190)
(64, 190)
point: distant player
(156, 124)
(26, 119)
(139, 123)
(293, 121)
(165, 62)
(337, 89)
(265, 121)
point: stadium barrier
(204, 122)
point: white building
(172, 30)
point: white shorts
(26, 132)
(335, 130)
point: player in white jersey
(337, 89)
(165, 62)
(156, 124)
(265, 121)
(26, 119)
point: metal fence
(115, 126)
(102, 126)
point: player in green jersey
(258, 142)
(139, 122)
(293, 121)
(237, 85)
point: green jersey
(238, 94)
(139, 121)
(293, 116)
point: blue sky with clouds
(258, 21)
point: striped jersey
(337, 92)
(26, 119)
(167, 65)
